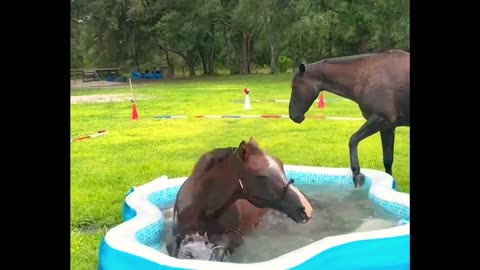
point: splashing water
(337, 210)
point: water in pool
(337, 210)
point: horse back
(396, 63)
(383, 84)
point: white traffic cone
(247, 99)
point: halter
(285, 188)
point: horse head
(264, 184)
(304, 93)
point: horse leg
(220, 254)
(173, 246)
(221, 250)
(388, 141)
(374, 124)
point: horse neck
(335, 78)
(220, 188)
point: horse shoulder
(184, 199)
(250, 215)
(241, 215)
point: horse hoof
(358, 180)
(394, 184)
(220, 254)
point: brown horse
(226, 195)
(379, 83)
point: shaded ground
(78, 84)
(100, 98)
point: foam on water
(337, 210)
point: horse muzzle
(297, 118)
(299, 217)
(305, 217)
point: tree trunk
(202, 59)
(387, 40)
(211, 56)
(191, 67)
(189, 60)
(250, 52)
(134, 43)
(330, 39)
(169, 63)
(234, 44)
(135, 55)
(274, 53)
(302, 52)
(244, 53)
(274, 56)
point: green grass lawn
(103, 169)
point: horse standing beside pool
(226, 195)
(379, 83)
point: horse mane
(345, 59)
(354, 58)
(215, 156)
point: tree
(232, 33)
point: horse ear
(242, 150)
(302, 69)
(253, 142)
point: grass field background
(132, 153)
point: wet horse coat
(228, 192)
(379, 83)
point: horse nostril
(302, 213)
(297, 118)
(294, 118)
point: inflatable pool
(135, 243)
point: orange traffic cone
(134, 109)
(134, 112)
(321, 101)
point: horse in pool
(379, 83)
(225, 197)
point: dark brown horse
(228, 192)
(379, 83)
